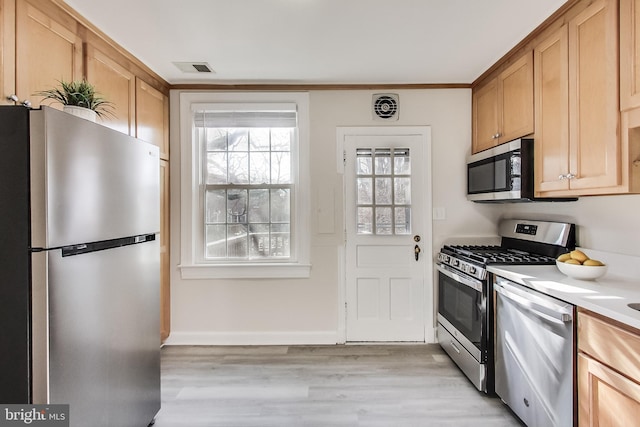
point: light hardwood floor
(343, 385)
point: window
(246, 214)
(384, 191)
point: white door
(388, 241)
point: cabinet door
(485, 116)
(552, 112)
(629, 54)
(605, 397)
(116, 84)
(152, 117)
(165, 291)
(515, 102)
(593, 97)
(47, 50)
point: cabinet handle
(14, 98)
(496, 136)
(567, 176)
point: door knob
(417, 251)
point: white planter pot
(82, 112)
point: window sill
(245, 271)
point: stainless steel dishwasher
(534, 355)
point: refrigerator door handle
(85, 248)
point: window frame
(192, 262)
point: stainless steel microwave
(504, 174)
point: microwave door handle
(472, 283)
(533, 307)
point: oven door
(462, 309)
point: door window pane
(384, 221)
(383, 193)
(365, 220)
(364, 161)
(403, 220)
(402, 191)
(365, 191)
(401, 161)
(383, 161)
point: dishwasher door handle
(534, 307)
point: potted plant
(79, 98)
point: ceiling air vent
(385, 106)
(194, 67)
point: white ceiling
(319, 41)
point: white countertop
(607, 295)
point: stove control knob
(472, 270)
(455, 262)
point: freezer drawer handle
(532, 306)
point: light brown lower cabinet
(608, 372)
(606, 397)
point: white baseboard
(252, 338)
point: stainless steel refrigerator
(79, 268)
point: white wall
(306, 310)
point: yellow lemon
(578, 256)
(592, 262)
(572, 261)
(564, 257)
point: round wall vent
(385, 106)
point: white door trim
(424, 132)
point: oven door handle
(465, 280)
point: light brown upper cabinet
(551, 59)
(47, 49)
(629, 54)
(578, 150)
(115, 83)
(503, 106)
(152, 117)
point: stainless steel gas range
(465, 292)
